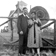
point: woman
(34, 31)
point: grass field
(5, 39)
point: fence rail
(11, 18)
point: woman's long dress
(32, 39)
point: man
(22, 25)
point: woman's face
(33, 15)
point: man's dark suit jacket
(22, 24)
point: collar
(25, 15)
(20, 13)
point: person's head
(33, 14)
(25, 10)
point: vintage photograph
(27, 27)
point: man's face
(25, 11)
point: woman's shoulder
(29, 19)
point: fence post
(55, 33)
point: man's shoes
(18, 54)
(22, 55)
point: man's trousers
(23, 43)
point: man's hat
(24, 8)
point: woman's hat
(33, 12)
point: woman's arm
(38, 22)
(30, 23)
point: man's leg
(20, 44)
(25, 43)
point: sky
(7, 5)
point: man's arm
(18, 24)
